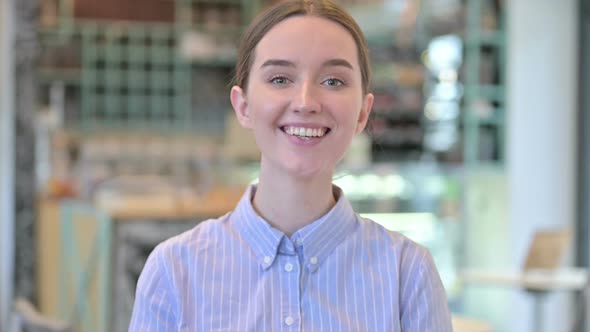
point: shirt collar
(320, 238)
(262, 238)
(317, 239)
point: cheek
(348, 110)
(266, 107)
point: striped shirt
(339, 273)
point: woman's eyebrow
(277, 62)
(337, 63)
(287, 63)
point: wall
(541, 147)
(6, 163)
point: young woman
(293, 255)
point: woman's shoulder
(202, 235)
(407, 257)
(392, 241)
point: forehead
(307, 37)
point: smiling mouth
(305, 133)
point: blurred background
(116, 133)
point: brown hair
(265, 21)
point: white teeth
(305, 132)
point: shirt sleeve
(155, 306)
(424, 306)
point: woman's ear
(240, 106)
(364, 113)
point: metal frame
(131, 77)
(155, 98)
(583, 190)
(474, 90)
(6, 162)
(584, 139)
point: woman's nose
(306, 99)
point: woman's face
(304, 101)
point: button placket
(288, 269)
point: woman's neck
(290, 204)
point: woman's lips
(305, 135)
(305, 131)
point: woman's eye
(333, 82)
(279, 80)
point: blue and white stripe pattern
(340, 273)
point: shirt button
(299, 242)
(289, 321)
(313, 260)
(267, 259)
(288, 267)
